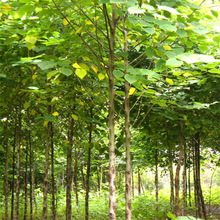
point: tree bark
(13, 169)
(170, 170)
(69, 171)
(53, 186)
(189, 184)
(46, 166)
(199, 188)
(156, 181)
(127, 136)
(25, 183)
(177, 184)
(88, 168)
(132, 179)
(6, 171)
(139, 182)
(18, 165)
(184, 182)
(111, 124)
(83, 179)
(76, 178)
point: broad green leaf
(2, 75)
(168, 27)
(149, 30)
(44, 65)
(117, 1)
(101, 76)
(31, 39)
(136, 10)
(170, 215)
(217, 39)
(174, 62)
(215, 13)
(149, 73)
(6, 7)
(148, 7)
(160, 65)
(182, 33)
(81, 73)
(51, 73)
(33, 87)
(66, 71)
(131, 78)
(170, 81)
(167, 47)
(118, 74)
(150, 52)
(196, 58)
(169, 9)
(27, 105)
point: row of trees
(73, 73)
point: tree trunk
(177, 184)
(199, 188)
(33, 193)
(156, 181)
(13, 169)
(184, 182)
(46, 166)
(18, 165)
(83, 179)
(127, 136)
(132, 179)
(111, 124)
(30, 174)
(88, 168)
(53, 208)
(6, 171)
(189, 184)
(101, 179)
(195, 184)
(139, 182)
(170, 170)
(25, 184)
(76, 178)
(69, 171)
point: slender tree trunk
(13, 169)
(170, 170)
(46, 166)
(101, 179)
(195, 184)
(177, 184)
(53, 186)
(83, 179)
(132, 179)
(184, 182)
(33, 193)
(139, 182)
(6, 171)
(98, 178)
(76, 178)
(127, 136)
(189, 184)
(30, 174)
(200, 195)
(69, 171)
(156, 181)
(111, 124)
(18, 165)
(25, 184)
(88, 168)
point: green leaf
(149, 30)
(160, 65)
(118, 74)
(2, 75)
(27, 105)
(215, 13)
(66, 71)
(174, 62)
(169, 9)
(149, 73)
(81, 73)
(168, 27)
(136, 10)
(33, 87)
(217, 39)
(170, 215)
(150, 52)
(44, 65)
(131, 78)
(182, 33)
